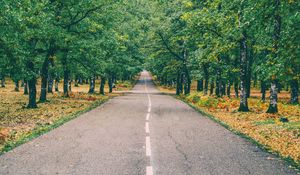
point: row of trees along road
(69, 41)
(225, 43)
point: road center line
(148, 146)
(147, 128)
(149, 170)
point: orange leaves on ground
(267, 129)
(17, 121)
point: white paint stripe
(149, 170)
(147, 128)
(148, 147)
(149, 109)
(148, 116)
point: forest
(226, 45)
(67, 41)
(220, 44)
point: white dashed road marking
(148, 146)
(147, 128)
(149, 170)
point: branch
(168, 47)
(85, 15)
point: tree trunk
(80, 81)
(44, 76)
(178, 84)
(32, 87)
(200, 85)
(92, 85)
(212, 86)
(17, 86)
(228, 88)
(3, 81)
(273, 98)
(263, 91)
(70, 85)
(218, 84)
(102, 85)
(255, 80)
(276, 38)
(76, 81)
(56, 84)
(66, 81)
(236, 89)
(25, 88)
(294, 91)
(187, 84)
(206, 78)
(110, 84)
(249, 71)
(243, 74)
(50, 83)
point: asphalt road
(143, 132)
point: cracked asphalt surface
(110, 140)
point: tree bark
(206, 78)
(110, 84)
(92, 85)
(223, 88)
(80, 81)
(44, 76)
(32, 87)
(255, 80)
(200, 85)
(25, 87)
(17, 86)
(276, 38)
(249, 72)
(273, 98)
(45, 73)
(294, 91)
(70, 85)
(187, 84)
(66, 77)
(50, 83)
(236, 89)
(263, 91)
(76, 81)
(218, 83)
(22, 83)
(228, 88)
(56, 85)
(212, 86)
(218, 87)
(178, 84)
(243, 68)
(102, 85)
(3, 81)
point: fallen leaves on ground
(17, 121)
(266, 129)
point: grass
(19, 124)
(265, 130)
